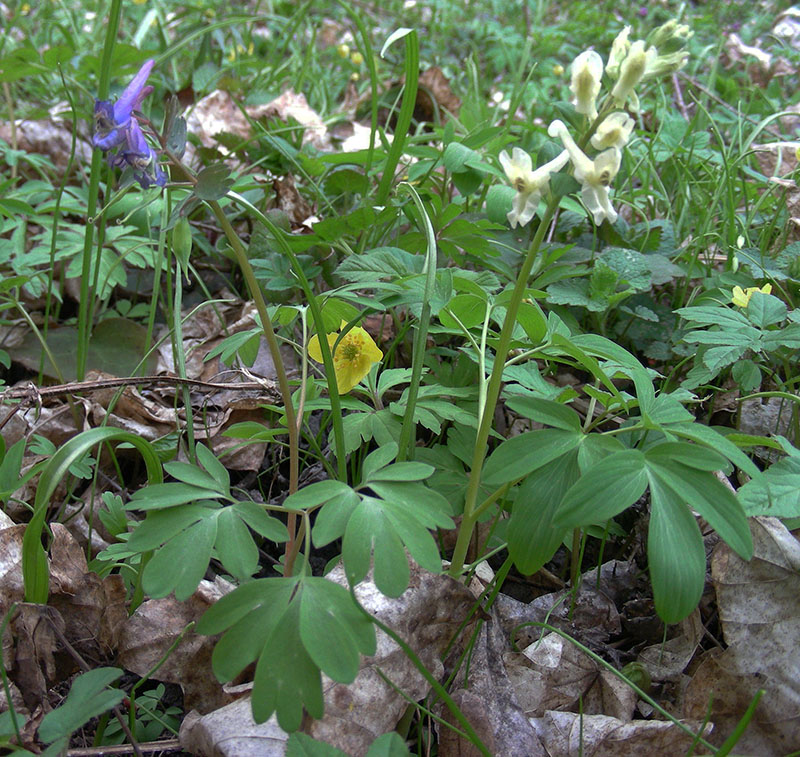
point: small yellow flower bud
(355, 76)
(558, 69)
(343, 50)
(356, 58)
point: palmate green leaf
(234, 544)
(213, 182)
(406, 471)
(603, 491)
(532, 536)
(190, 474)
(294, 627)
(381, 528)
(517, 457)
(709, 437)
(181, 563)
(675, 554)
(316, 494)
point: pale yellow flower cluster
(629, 63)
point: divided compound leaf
(265, 619)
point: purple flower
(117, 129)
(137, 154)
(112, 121)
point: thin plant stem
(493, 393)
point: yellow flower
(352, 359)
(741, 297)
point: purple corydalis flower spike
(140, 157)
(112, 121)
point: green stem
(280, 370)
(493, 393)
(86, 299)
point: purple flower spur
(115, 127)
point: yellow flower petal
(739, 298)
(352, 359)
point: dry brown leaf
(551, 674)
(504, 727)
(434, 89)
(667, 661)
(147, 635)
(568, 734)
(295, 106)
(426, 616)
(610, 696)
(758, 610)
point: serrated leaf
(717, 358)
(765, 310)
(213, 182)
(675, 554)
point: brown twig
(79, 387)
(149, 747)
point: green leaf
(765, 310)
(714, 501)
(707, 436)
(182, 562)
(388, 745)
(405, 471)
(162, 496)
(532, 536)
(603, 491)
(499, 200)
(775, 492)
(302, 745)
(213, 182)
(718, 357)
(195, 476)
(675, 554)
(691, 455)
(235, 546)
(315, 494)
(88, 697)
(282, 622)
(333, 629)
(523, 454)
(469, 309)
(35, 569)
(547, 412)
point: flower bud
(343, 50)
(632, 70)
(587, 71)
(619, 51)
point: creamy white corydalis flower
(619, 51)
(595, 175)
(633, 68)
(530, 184)
(587, 71)
(614, 131)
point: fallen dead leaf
(568, 734)
(758, 611)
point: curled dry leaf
(758, 611)
(568, 734)
(550, 674)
